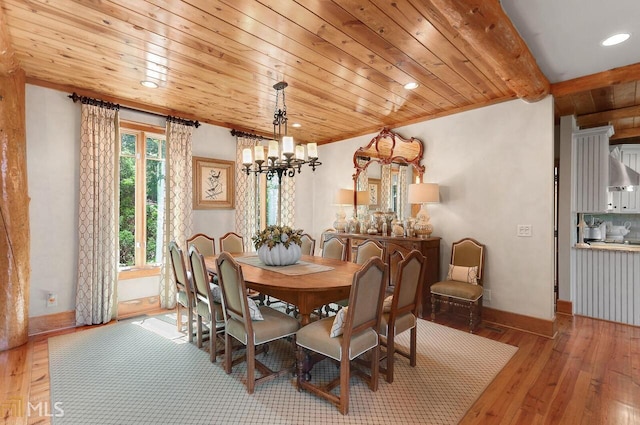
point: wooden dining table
(306, 291)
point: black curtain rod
(239, 133)
(97, 102)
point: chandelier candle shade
(423, 193)
(283, 161)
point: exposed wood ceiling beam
(614, 76)
(608, 116)
(485, 26)
(8, 62)
(626, 133)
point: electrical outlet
(486, 294)
(52, 299)
(524, 230)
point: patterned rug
(144, 372)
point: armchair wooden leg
(251, 367)
(345, 373)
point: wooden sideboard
(429, 247)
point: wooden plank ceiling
(345, 61)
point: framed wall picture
(213, 184)
(374, 193)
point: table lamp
(343, 197)
(423, 193)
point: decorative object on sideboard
(343, 197)
(423, 193)
(283, 157)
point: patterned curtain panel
(385, 188)
(178, 203)
(288, 201)
(246, 196)
(98, 215)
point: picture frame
(213, 184)
(374, 193)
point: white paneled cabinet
(591, 178)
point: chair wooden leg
(189, 323)
(375, 366)
(345, 372)
(213, 341)
(199, 331)
(390, 355)
(300, 366)
(228, 354)
(412, 346)
(251, 367)
(433, 308)
(179, 316)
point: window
(142, 174)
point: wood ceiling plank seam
(395, 35)
(359, 31)
(274, 37)
(332, 43)
(419, 27)
(358, 83)
(440, 23)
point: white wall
(495, 170)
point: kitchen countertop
(611, 247)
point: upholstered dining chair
(206, 246)
(249, 328)
(208, 302)
(335, 247)
(324, 235)
(232, 242)
(463, 284)
(185, 297)
(352, 332)
(400, 310)
(308, 246)
(368, 249)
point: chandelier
(283, 160)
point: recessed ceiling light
(149, 84)
(296, 125)
(616, 39)
(412, 85)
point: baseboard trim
(546, 328)
(564, 307)
(52, 322)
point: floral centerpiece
(278, 245)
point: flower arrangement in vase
(278, 245)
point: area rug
(144, 372)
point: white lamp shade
(422, 193)
(344, 197)
(362, 197)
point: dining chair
(185, 297)
(208, 302)
(249, 331)
(463, 284)
(206, 246)
(335, 247)
(368, 249)
(232, 242)
(324, 235)
(400, 310)
(352, 332)
(308, 244)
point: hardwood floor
(588, 374)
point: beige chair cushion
(455, 289)
(403, 323)
(203, 311)
(315, 337)
(463, 274)
(274, 325)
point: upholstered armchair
(463, 285)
